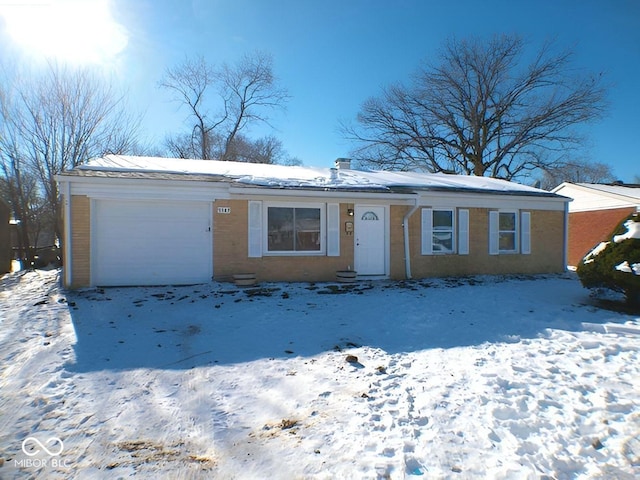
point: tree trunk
(632, 298)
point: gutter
(405, 227)
(257, 192)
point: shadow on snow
(217, 324)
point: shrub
(615, 264)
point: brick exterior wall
(396, 240)
(230, 251)
(231, 232)
(230, 248)
(546, 248)
(80, 241)
(587, 229)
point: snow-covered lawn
(472, 378)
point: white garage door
(151, 242)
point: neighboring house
(145, 221)
(595, 211)
(5, 238)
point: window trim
(515, 231)
(454, 236)
(460, 231)
(294, 253)
(495, 231)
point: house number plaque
(224, 209)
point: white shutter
(333, 230)
(427, 231)
(494, 218)
(525, 233)
(255, 229)
(463, 232)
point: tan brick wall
(230, 247)
(546, 249)
(587, 229)
(80, 241)
(396, 240)
(231, 237)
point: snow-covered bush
(615, 264)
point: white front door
(370, 251)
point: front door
(369, 251)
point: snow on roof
(631, 191)
(281, 176)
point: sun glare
(75, 31)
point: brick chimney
(343, 163)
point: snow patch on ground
(483, 377)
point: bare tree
(263, 150)
(56, 121)
(190, 82)
(250, 91)
(19, 187)
(188, 145)
(579, 171)
(479, 111)
(223, 102)
(184, 145)
(266, 149)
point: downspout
(67, 234)
(565, 255)
(407, 250)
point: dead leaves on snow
(137, 452)
(271, 430)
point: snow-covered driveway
(471, 378)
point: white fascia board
(433, 198)
(275, 194)
(623, 201)
(605, 207)
(560, 187)
(487, 200)
(146, 189)
(595, 191)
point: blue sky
(332, 55)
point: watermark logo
(31, 446)
(52, 446)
